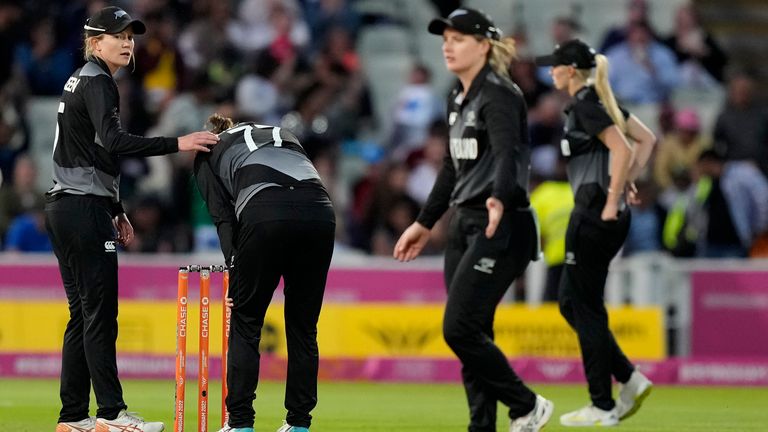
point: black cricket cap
(467, 21)
(111, 20)
(572, 53)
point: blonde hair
(604, 91)
(218, 123)
(88, 46)
(501, 55)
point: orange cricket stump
(181, 349)
(226, 321)
(204, 328)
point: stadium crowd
(296, 64)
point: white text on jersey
(464, 148)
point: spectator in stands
(637, 12)
(44, 66)
(525, 74)
(277, 24)
(397, 218)
(19, 194)
(159, 69)
(545, 125)
(643, 71)
(562, 29)
(492, 236)
(648, 218)
(416, 108)
(741, 129)
(553, 201)
(27, 232)
(546, 121)
(10, 14)
(207, 37)
(336, 68)
(731, 206)
(423, 175)
(14, 139)
(388, 191)
(257, 93)
(702, 62)
(151, 232)
(323, 15)
(679, 150)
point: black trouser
(478, 271)
(81, 231)
(590, 245)
(300, 252)
(552, 285)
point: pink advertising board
(403, 369)
(157, 281)
(730, 314)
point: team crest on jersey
(452, 118)
(470, 120)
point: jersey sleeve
(593, 117)
(101, 99)
(440, 197)
(503, 112)
(219, 204)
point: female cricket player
(602, 165)
(274, 219)
(493, 234)
(83, 210)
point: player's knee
(456, 333)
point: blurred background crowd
(362, 84)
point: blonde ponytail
(603, 88)
(501, 55)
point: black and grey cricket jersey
(488, 149)
(264, 166)
(588, 157)
(89, 138)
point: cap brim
(547, 60)
(438, 25)
(137, 26)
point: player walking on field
(83, 210)
(602, 165)
(275, 219)
(492, 234)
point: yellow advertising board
(345, 330)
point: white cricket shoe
(288, 428)
(590, 415)
(127, 422)
(632, 394)
(535, 420)
(84, 425)
(228, 428)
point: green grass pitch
(32, 406)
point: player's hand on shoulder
(198, 141)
